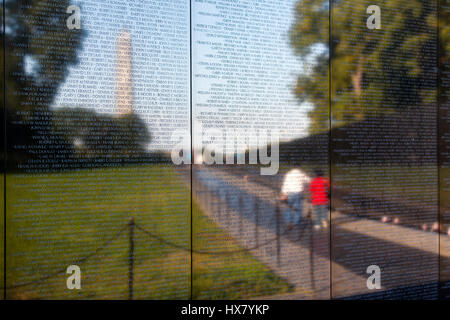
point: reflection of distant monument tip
(123, 86)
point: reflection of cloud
(31, 66)
(78, 143)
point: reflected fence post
(311, 251)
(217, 199)
(241, 213)
(278, 226)
(224, 205)
(209, 196)
(256, 208)
(228, 200)
(131, 225)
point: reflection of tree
(373, 71)
(444, 42)
(96, 135)
(39, 50)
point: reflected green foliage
(95, 135)
(444, 42)
(40, 50)
(373, 71)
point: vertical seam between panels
(330, 3)
(4, 149)
(191, 149)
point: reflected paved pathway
(247, 210)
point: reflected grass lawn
(234, 276)
(55, 219)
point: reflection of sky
(160, 38)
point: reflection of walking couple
(296, 183)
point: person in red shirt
(319, 189)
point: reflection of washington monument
(123, 86)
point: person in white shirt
(292, 192)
